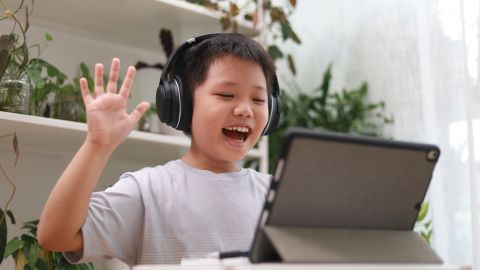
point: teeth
(240, 129)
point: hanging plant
(6, 212)
(277, 24)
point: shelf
(135, 23)
(40, 135)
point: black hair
(196, 61)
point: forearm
(67, 206)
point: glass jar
(15, 95)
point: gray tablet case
(348, 199)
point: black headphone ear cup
(182, 113)
(274, 110)
(164, 101)
(186, 106)
(175, 104)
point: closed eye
(259, 100)
(225, 95)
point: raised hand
(107, 118)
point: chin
(231, 156)
(235, 157)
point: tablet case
(348, 199)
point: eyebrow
(230, 83)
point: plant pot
(15, 96)
(68, 107)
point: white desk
(299, 267)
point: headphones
(174, 103)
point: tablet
(332, 180)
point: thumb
(139, 111)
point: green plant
(278, 26)
(26, 251)
(68, 102)
(13, 46)
(5, 212)
(46, 79)
(15, 53)
(144, 124)
(345, 111)
(424, 222)
(19, 70)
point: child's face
(230, 110)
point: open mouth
(237, 133)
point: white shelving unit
(93, 31)
(132, 22)
(39, 135)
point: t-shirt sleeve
(113, 225)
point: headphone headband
(180, 51)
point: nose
(243, 109)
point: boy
(186, 208)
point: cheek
(263, 117)
(205, 114)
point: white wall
(325, 39)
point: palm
(107, 118)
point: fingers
(85, 92)
(113, 76)
(98, 80)
(138, 112)
(128, 82)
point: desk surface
(298, 266)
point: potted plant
(29, 255)
(14, 58)
(68, 103)
(20, 73)
(14, 85)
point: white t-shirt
(166, 213)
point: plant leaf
(12, 246)
(31, 253)
(291, 64)
(3, 235)
(15, 148)
(287, 32)
(234, 26)
(277, 15)
(325, 86)
(6, 44)
(166, 40)
(25, 59)
(225, 22)
(254, 18)
(85, 73)
(11, 216)
(429, 223)
(41, 265)
(274, 52)
(423, 212)
(48, 36)
(4, 60)
(234, 10)
(293, 3)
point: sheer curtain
(421, 58)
